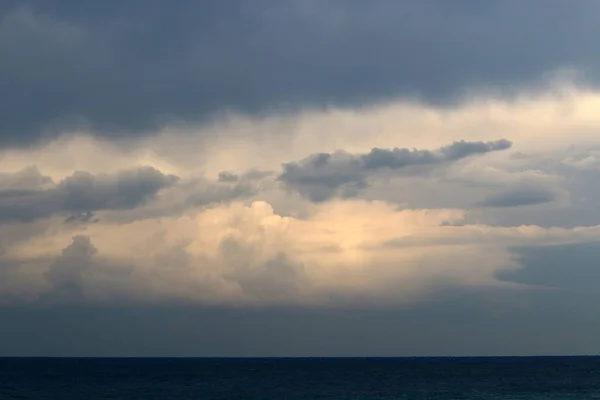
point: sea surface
(300, 378)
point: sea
(301, 378)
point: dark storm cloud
(523, 196)
(80, 271)
(569, 268)
(467, 324)
(83, 192)
(322, 176)
(122, 67)
(66, 273)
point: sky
(299, 178)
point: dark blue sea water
(310, 378)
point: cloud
(82, 192)
(400, 226)
(277, 278)
(81, 274)
(29, 178)
(523, 196)
(238, 255)
(190, 194)
(124, 195)
(82, 218)
(568, 267)
(124, 69)
(344, 253)
(322, 176)
(495, 325)
(240, 164)
(227, 177)
(399, 223)
(66, 274)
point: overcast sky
(299, 177)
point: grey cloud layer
(415, 178)
(81, 192)
(322, 176)
(522, 196)
(132, 66)
(28, 195)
